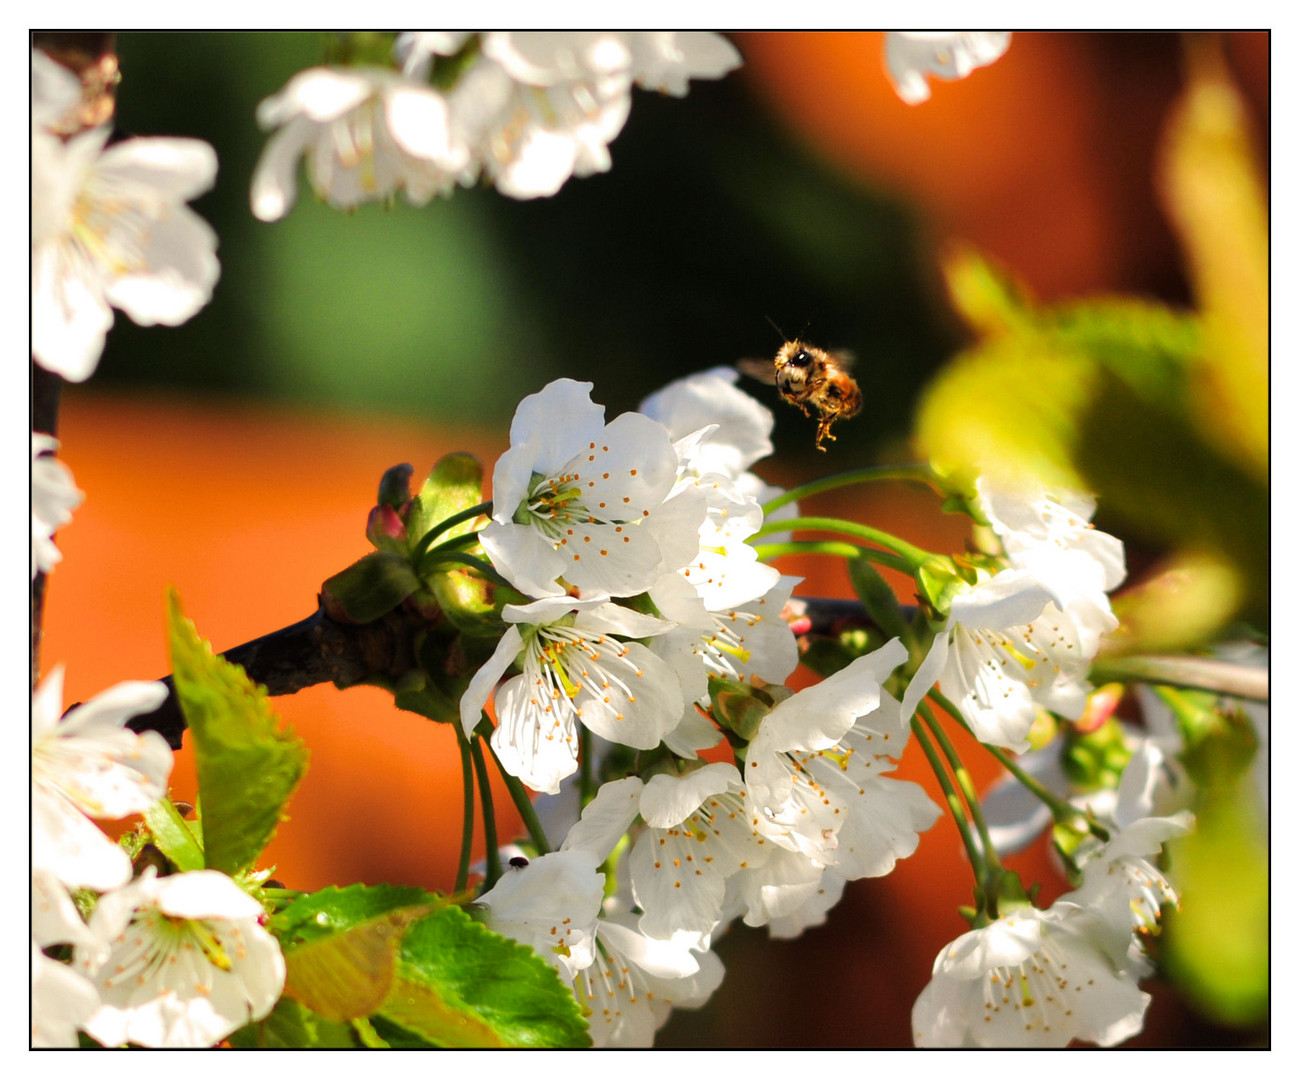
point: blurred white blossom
(54, 497)
(911, 56)
(88, 765)
(366, 133)
(110, 228)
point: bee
(815, 380)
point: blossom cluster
(177, 961)
(527, 110)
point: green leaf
(180, 840)
(459, 984)
(291, 1025)
(340, 946)
(1104, 395)
(247, 767)
(877, 597)
(372, 586)
(333, 910)
(1215, 947)
(398, 1037)
(454, 484)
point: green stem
(433, 558)
(454, 544)
(955, 805)
(489, 815)
(964, 782)
(913, 555)
(467, 813)
(483, 509)
(519, 796)
(837, 548)
(1062, 812)
(921, 473)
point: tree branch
(317, 650)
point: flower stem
(483, 509)
(432, 558)
(955, 805)
(1062, 812)
(467, 813)
(519, 796)
(964, 782)
(489, 814)
(913, 556)
(921, 473)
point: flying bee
(815, 380)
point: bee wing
(763, 370)
(846, 358)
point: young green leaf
(247, 766)
(340, 946)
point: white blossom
(582, 502)
(814, 772)
(62, 1001)
(54, 497)
(1033, 521)
(636, 981)
(110, 227)
(575, 670)
(366, 133)
(86, 765)
(1123, 888)
(740, 427)
(698, 833)
(912, 55)
(1032, 978)
(186, 962)
(1016, 641)
(550, 905)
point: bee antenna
(772, 323)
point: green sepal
(371, 587)
(454, 484)
(247, 766)
(340, 945)
(877, 597)
(180, 840)
(469, 600)
(938, 580)
(291, 1025)
(416, 692)
(740, 707)
(459, 984)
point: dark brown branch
(317, 650)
